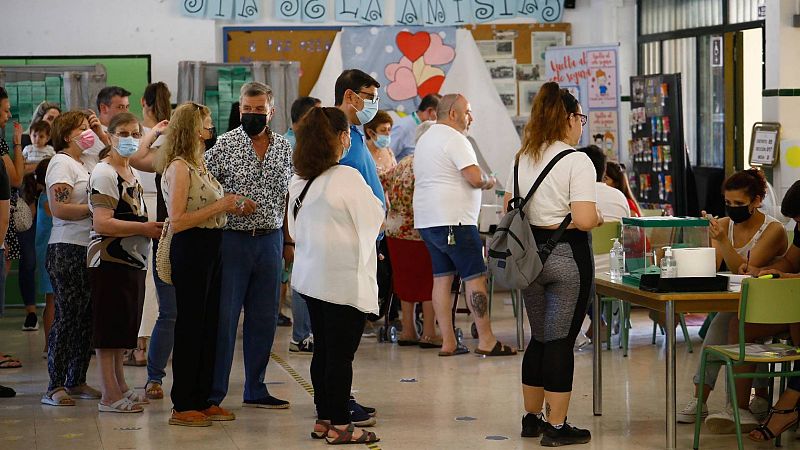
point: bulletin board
(522, 41)
(309, 46)
(129, 71)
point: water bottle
(669, 267)
(617, 260)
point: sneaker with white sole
(759, 407)
(723, 421)
(581, 341)
(31, 322)
(306, 347)
(689, 412)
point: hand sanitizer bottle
(669, 268)
(617, 260)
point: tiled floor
(411, 415)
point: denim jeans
(163, 336)
(251, 279)
(301, 322)
(27, 265)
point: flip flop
(428, 342)
(499, 349)
(10, 363)
(460, 350)
(407, 342)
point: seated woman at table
(745, 231)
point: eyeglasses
(373, 98)
(125, 134)
(584, 118)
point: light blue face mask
(383, 140)
(127, 146)
(346, 150)
(368, 112)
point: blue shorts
(464, 258)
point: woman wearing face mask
(69, 343)
(378, 132)
(117, 261)
(745, 237)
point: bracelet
(288, 244)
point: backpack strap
(298, 202)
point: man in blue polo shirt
(404, 131)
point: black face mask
(253, 124)
(738, 214)
(212, 140)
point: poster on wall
(592, 72)
(496, 49)
(603, 127)
(602, 79)
(540, 42)
(527, 92)
(508, 94)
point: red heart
(413, 46)
(430, 86)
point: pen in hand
(747, 263)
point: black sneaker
(367, 409)
(31, 322)
(566, 435)
(359, 416)
(306, 347)
(284, 321)
(268, 402)
(532, 426)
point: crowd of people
(163, 211)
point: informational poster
(527, 92)
(540, 42)
(592, 72)
(762, 150)
(602, 78)
(603, 128)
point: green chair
(764, 302)
(602, 241)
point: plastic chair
(766, 302)
(602, 241)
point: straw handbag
(163, 262)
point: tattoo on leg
(480, 304)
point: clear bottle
(617, 260)
(669, 267)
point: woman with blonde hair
(197, 209)
(566, 200)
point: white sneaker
(723, 421)
(581, 341)
(688, 413)
(759, 407)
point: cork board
(522, 33)
(309, 46)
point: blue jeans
(27, 265)
(301, 321)
(163, 336)
(251, 279)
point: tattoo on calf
(480, 304)
(63, 194)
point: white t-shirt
(612, 203)
(65, 170)
(336, 258)
(571, 180)
(442, 196)
(34, 154)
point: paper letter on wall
(194, 8)
(315, 11)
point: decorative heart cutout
(427, 73)
(391, 69)
(430, 86)
(413, 46)
(438, 53)
(404, 85)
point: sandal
(460, 350)
(135, 398)
(321, 428)
(85, 392)
(430, 342)
(407, 342)
(499, 349)
(9, 363)
(765, 434)
(123, 405)
(190, 418)
(344, 437)
(130, 358)
(57, 397)
(153, 391)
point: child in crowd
(38, 149)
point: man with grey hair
(255, 162)
(447, 199)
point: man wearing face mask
(254, 162)
(404, 131)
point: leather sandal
(499, 349)
(57, 397)
(345, 437)
(765, 434)
(153, 391)
(321, 428)
(430, 342)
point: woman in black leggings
(557, 300)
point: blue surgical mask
(368, 112)
(383, 140)
(127, 146)
(346, 150)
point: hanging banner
(247, 10)
(346, 10)
(592, 72)
(371, 12)
(541, 11)
(194, 8)
(219, 9)
(315, 11)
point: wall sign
(716, 51)
(765, 144)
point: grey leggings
(717, 334)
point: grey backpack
(514, 257)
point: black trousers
(197, 275)
(337, 332)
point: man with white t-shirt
(611, 202)
(447, 199)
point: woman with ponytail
(557, 300)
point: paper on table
(734, 280)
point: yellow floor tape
(305, 384)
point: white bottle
(617, 260)
(669, 267)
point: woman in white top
(556, 302)
(745, 237)
(333, 218)
(69, 343)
